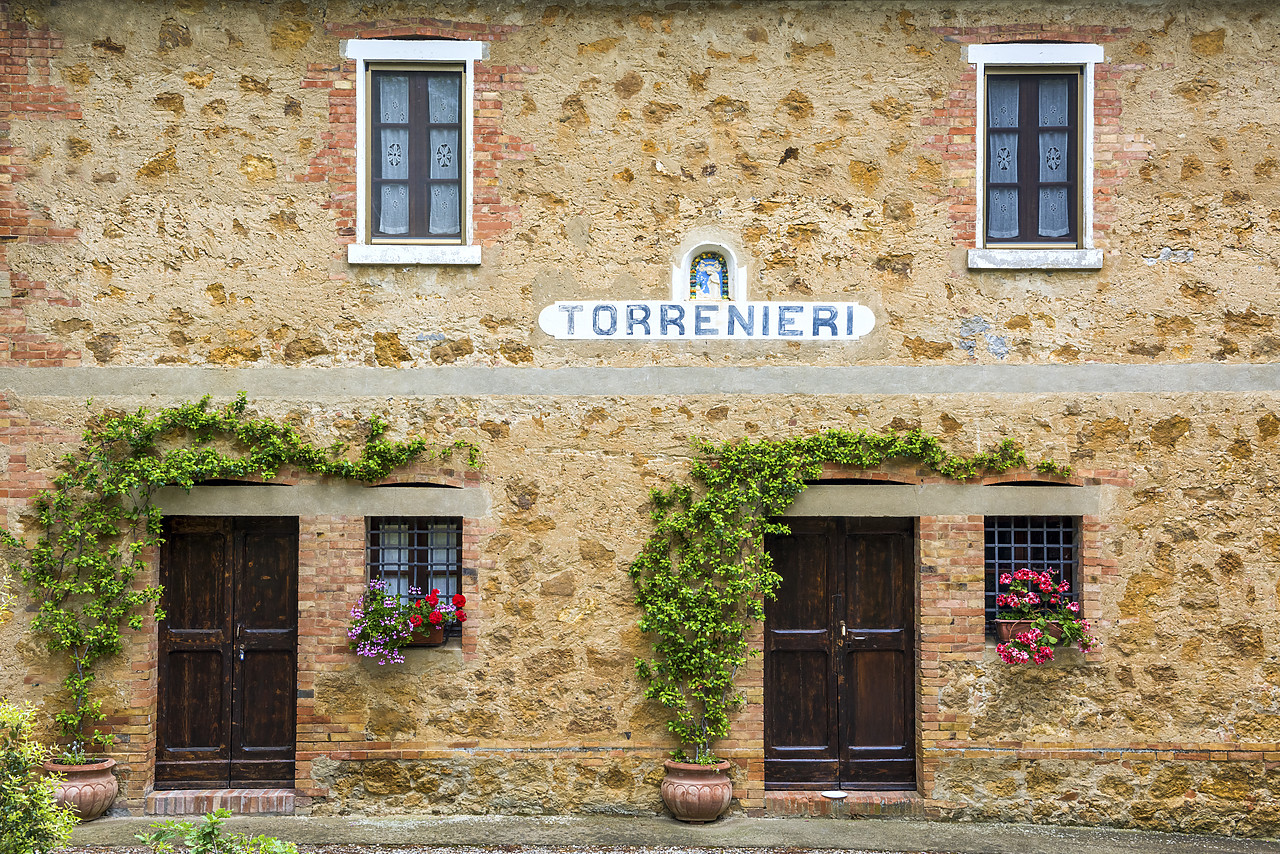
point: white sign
(706, 320)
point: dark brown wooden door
(228, 652)
(839, 664)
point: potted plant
(382, 623)
(1036, 614)
(430, 616)
(698, 603)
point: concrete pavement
(565, 832)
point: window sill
(390, 253)
(1035, 259)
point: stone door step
(201, 801)
(854, 803)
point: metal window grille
(423, 553)
(1037, 543)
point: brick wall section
(331, 575)
(27, 93)
(335, 163)
(1114, 151)
(952, 628)
(130, 675)
(135, 726)
(20, 484)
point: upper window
(1035, 160)
(413, 151)
(416, 164)
(1033, 144)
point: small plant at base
(31, 822)
(210, 838)
(97, 521)
(703, 575)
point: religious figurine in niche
(709, 277)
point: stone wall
(176, 197)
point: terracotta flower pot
(427, 636)
(1007, 630)
(88, 789)
(696, 793)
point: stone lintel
(947, 499)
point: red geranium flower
(459, 600)
(415, 620)
(462, 617)
(435, 618)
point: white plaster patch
(1173, 256)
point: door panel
(194, 657)
(801, 728)
(265, 697)
(227, 663)
(846, 604)
(877, 704)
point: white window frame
(1081, 57)
(427, 52)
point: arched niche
(703, 265)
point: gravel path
(501, 849)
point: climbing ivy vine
(97, 520)
(703, 576)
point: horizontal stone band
(170, 383)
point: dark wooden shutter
(800, 708)
(194, 661)
(877, 697)
(265, 665)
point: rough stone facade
(177, 192)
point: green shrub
(31, 822)
(210, 838)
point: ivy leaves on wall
(703, 576)
(97, 522)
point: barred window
(419, 552)
(1038, 543)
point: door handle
(844, 630)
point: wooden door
(228, 653)
(840, 657)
